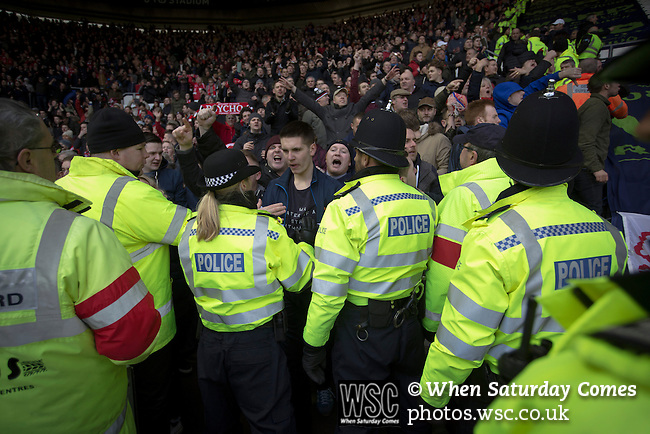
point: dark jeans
(389, 353)
(245, 370)
(587, 191)
(152, 380)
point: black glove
(313, 362)
(308, 229)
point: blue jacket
(503, 91)
(323, 188)
(171, 182)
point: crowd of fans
(433, 59)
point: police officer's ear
(312, 149)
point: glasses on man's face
(55, 147)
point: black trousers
(152, 380)
(587, 191)
(246, 371)
(389, 353)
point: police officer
(530, 242)
(371, 250)
(73, 310)
(604, 358)
(237, 260)
(466, 191)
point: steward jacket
(536, 45)
(322, 189)
(73, 313)
(238, 277)
(467, 192)
(579, 93)
(143, 220)
(589, 47)
(605, 350)
(373, 243)
(525, 245)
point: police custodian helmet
(540, 147)
(382, 135)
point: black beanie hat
(111, 128)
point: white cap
(558, 21)
(441, 43)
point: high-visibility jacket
(579, 92)
(73, 313)
(536, 45)
(143, 220)
(569, 53)
(532, 248)
(238, 277)
(586, 362)
(373, 242)
(503, 39)
(467, 192)
(593, 46)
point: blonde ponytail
(207, 219)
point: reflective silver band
(621, 248)
(184, 253)
(472, 310)
(175, 225)
(49, 324)
(120, 307)
(458, 347)
(116, 427)
(144, 252)
(110, 201)
(242, 318)
(303, 262)
(451, 232)
(235, 295)
(324, 287)
(166, 308)
(335, 260)
(383, 288)
(479, 194)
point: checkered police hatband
(219, 180)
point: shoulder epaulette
(343, 193)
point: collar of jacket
(25, 187)
(93, 166)
(375, 170)
(514, 195)
(287, 176)
(488, 169)
(601, 98)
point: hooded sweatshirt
(503, 91)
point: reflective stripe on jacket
(142, 219)
(237, 278)
(593, 49)
(532, 249)
(476, 187)
(73, 312)
(536, 45)
(373, 242)
(583, 359)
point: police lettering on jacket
(408, 225)
(583, 268)
(220, 262)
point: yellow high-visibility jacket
(373, 242)
(467, 192)
(533, 248)
(143, 220)
(238, 277)
(73, 313)
(598, 358)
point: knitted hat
(111, 128)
